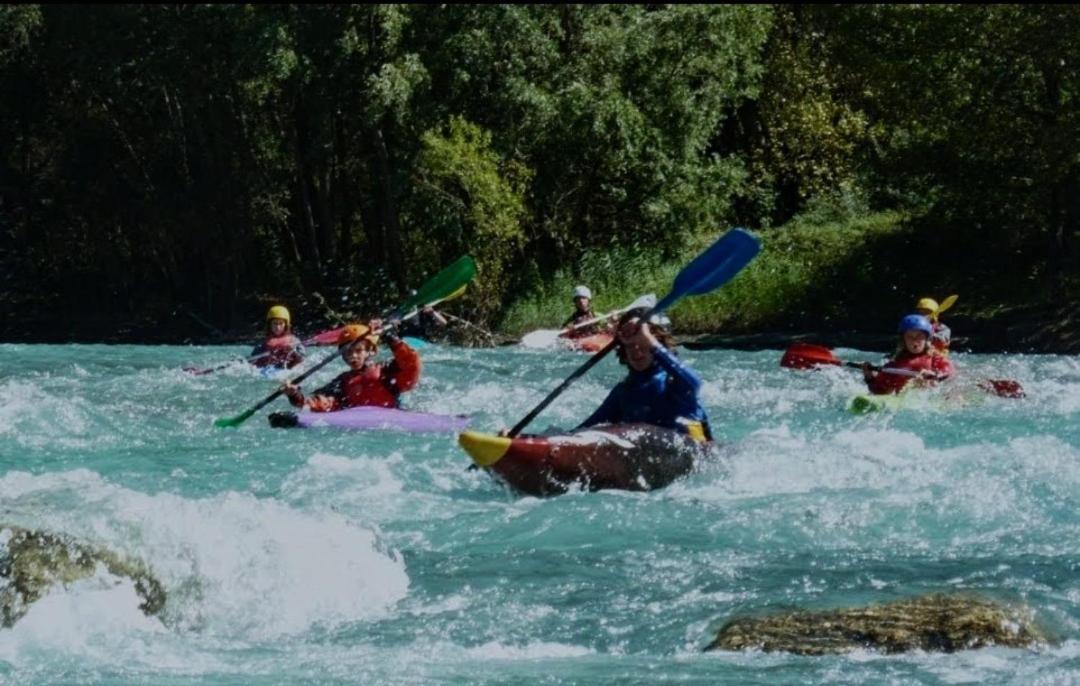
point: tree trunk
(388, 213)
(303, 187)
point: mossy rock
(32, 561)
(933, 623)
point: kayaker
(426, 325)
(366, 382)
(582, 312)
(281, 348)
(916, 355)
(658, 389)
(942, 336)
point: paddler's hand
(924, 379)
(294, 393)
(429, 312)
(868, 371)
(375, 325)
(637, 333)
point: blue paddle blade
(713, 268)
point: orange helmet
(355, 332)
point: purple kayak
(365, 418)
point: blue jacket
(660, 395)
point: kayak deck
(588, 344)
(922, 400)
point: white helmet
(583, 292)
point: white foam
(232, 564)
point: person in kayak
(426, 325)
(281, 348)
(582, 312)
(366, 382)
(942, 336)
(658, 388)
(916, 355)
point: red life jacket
(282, 351)
(377, 385)
(883, 382)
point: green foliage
(810, 271)
(17, 24)
(213, 157)
(468, 200)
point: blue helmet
(916, 322)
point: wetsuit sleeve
(569, 321)
(685, 381)
(608, 412)
(258, 350)
(404, 371)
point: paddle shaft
(889, 370)
(249, 360)
(600, 318)
(274, 396)
(520, 426)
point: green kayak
(917, 400)
(865, 404)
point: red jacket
(373, 384)
(883, 382)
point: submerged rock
(938, 623)
(31, 562)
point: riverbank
(837, 281)
(1033, 330)
(841, 282)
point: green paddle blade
(232, 422)
(443, 284)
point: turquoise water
(327, 557)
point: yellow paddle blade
(456, 294)
(946, 304)
(484, 449)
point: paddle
(720, 262)
(465, 322)
(545, 338)
(809, 356)
(330, 337)
(437, 288)
(195, 371)
(945, 304)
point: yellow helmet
(354, 332)
(279, 312)
(927, 304)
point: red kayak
(632, 457)
(589, 344)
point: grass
(788, 285)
